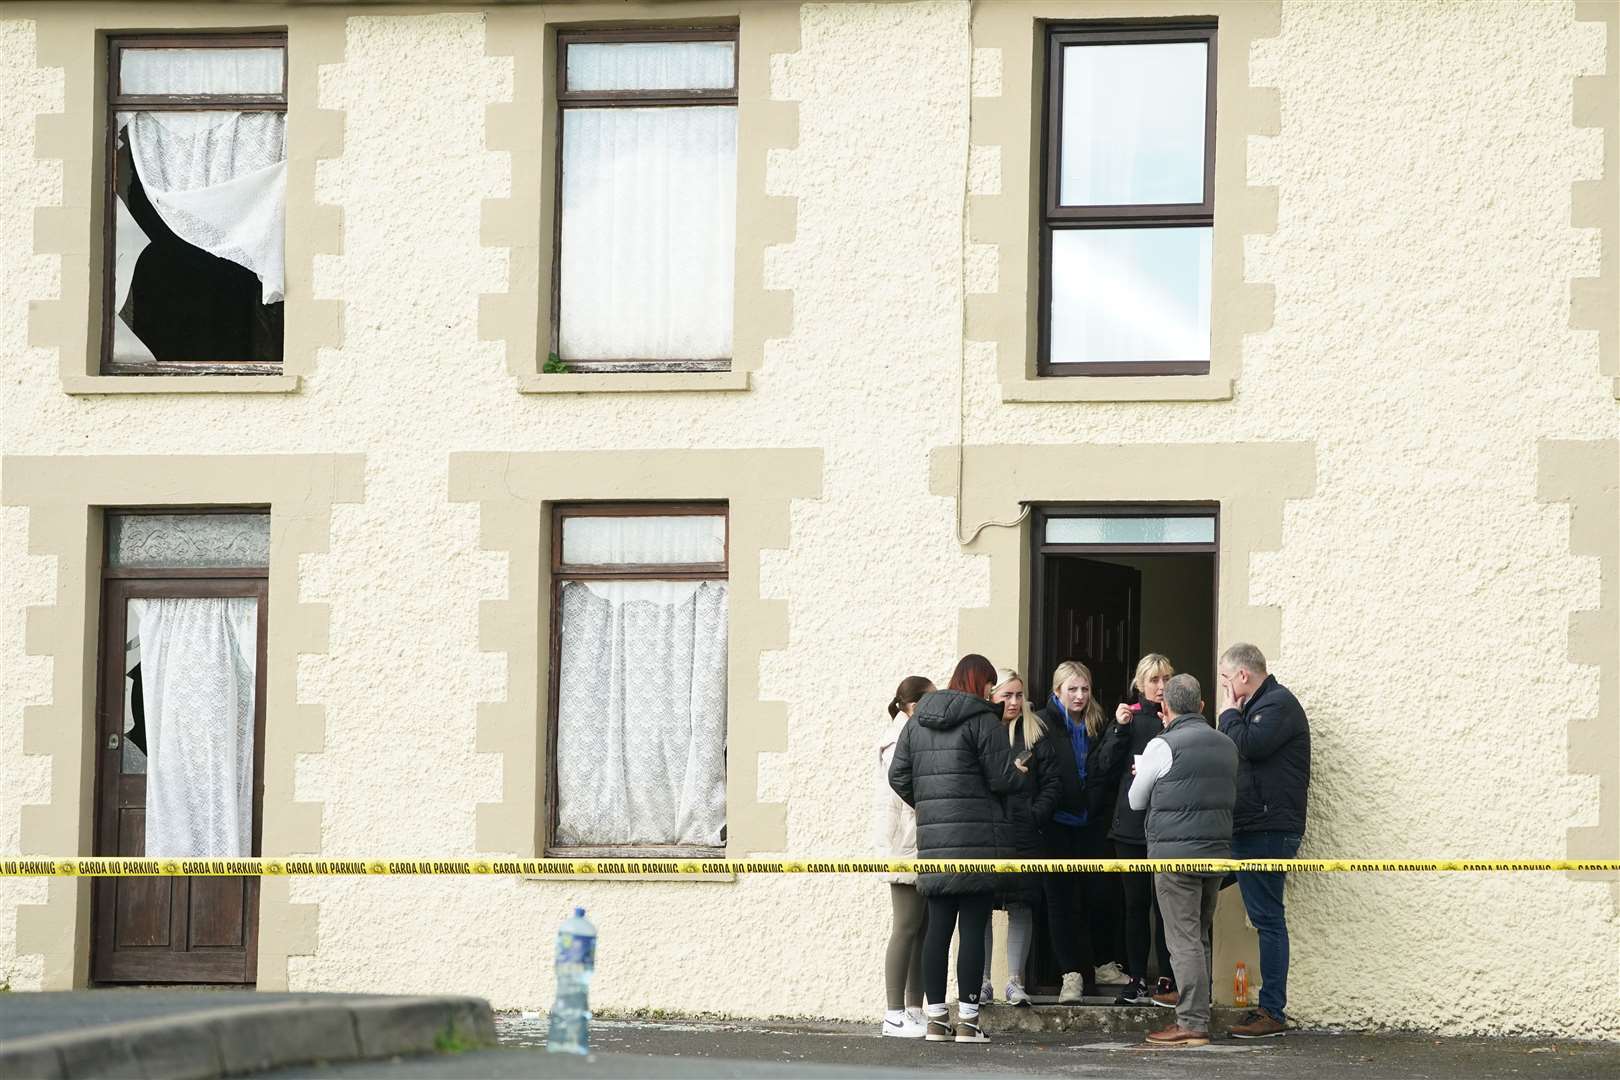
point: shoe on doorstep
(969, 1031)
(1258, 1025)
(904, 1028)
(1071, 991)
(1016, 994)
(939, 1029)
(1167, 1000)
(987, 993)
(1134, 994)
(1111, 974)
(1176, 1036)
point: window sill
(179, 384)
(1119, 388)
(633, 382)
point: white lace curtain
(649, 209)
(218, 179)
(641, 714)
(198, 660)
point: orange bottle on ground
(1240, 985)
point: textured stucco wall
(1421, 346)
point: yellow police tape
(136, 867)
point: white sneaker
(1015, 993)
(907, 1028)
(987, 993)
(1070, 993)
(1111, 974)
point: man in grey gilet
(1186, 779)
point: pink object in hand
(1137, 707)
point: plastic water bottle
(571, 1013)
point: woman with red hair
(952, 763)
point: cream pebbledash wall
(1425, 438)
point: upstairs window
(647, 221)
(1129, 202)
(196, 198)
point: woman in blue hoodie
(1082, 739)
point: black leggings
(1140, 906)
(1074, 902)
(973, 911)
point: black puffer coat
(1131, 825)
(952, 764)
(1032, 798)
(1273, 740)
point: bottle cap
(579, 912)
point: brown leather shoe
(1258, 1025)
(1167, 1000)
(1177, 1036)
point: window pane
(652, 65)
(649, 217)
(200, 71)
(1130, 294)
(199, 236)
(641, 713)
(194, 669)
(188, 540)
(1133, 124)
(1130, 530)
(608, 541)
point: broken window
(198, 149)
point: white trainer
(987, 993)
(1016, 994)
(906, 1028)
(1111, 974)
(1070, 994)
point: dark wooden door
(1091, 612)
(165, 929)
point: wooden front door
(1092, 613)
(176, 929)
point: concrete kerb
(202, 1044)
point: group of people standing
(974, 772)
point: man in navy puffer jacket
(1273, 740)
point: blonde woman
(1030, 802)
(1141, 718)
(1085, 751)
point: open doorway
(1110, 583)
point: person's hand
(1020, 766)
(1224, 698)
(1123, 715)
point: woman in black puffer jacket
(952, 764)
(1031, 799)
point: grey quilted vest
(1190, 813)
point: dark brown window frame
(1043, 512)
(607, 99)
(116, 102)
(1055, 216)
(561, 574)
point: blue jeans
(1263, 899)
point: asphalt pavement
(632, 1049)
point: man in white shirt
(1186, 779)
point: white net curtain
(198, 660)
(217, 178)
(649, 208)
(641, 688)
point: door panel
(1091, 613)
(183, 930)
